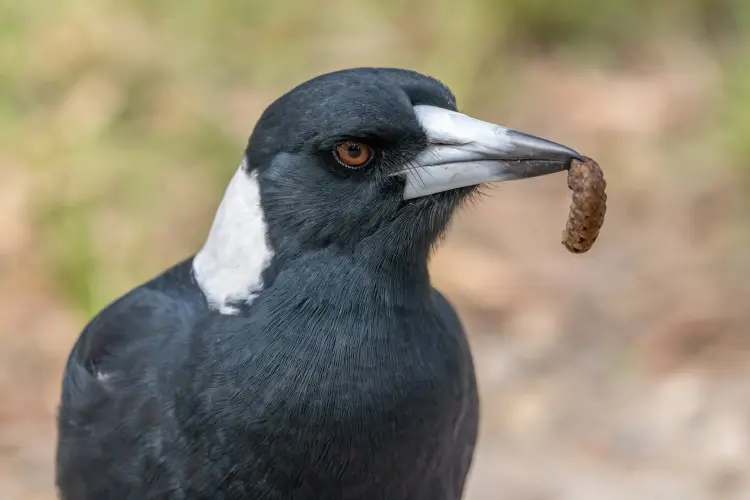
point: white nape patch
(446, 127)
(229, 267)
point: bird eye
(353, 154)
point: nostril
(445, 141)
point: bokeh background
(618, 374)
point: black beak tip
(572, 154)
(573, 157)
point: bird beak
(464, 151)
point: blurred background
(618, 374)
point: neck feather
(229, 268)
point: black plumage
(303, 352)
(348, 377)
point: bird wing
(110, 394)
(138, 322)
(110, 344)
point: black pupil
(354, 150)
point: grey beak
(464, 151)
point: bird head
(367, 161)
(379, 154)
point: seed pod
(588, 207)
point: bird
(302, 352)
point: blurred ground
(621, 373)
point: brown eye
(353, 154)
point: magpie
(302, 352)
